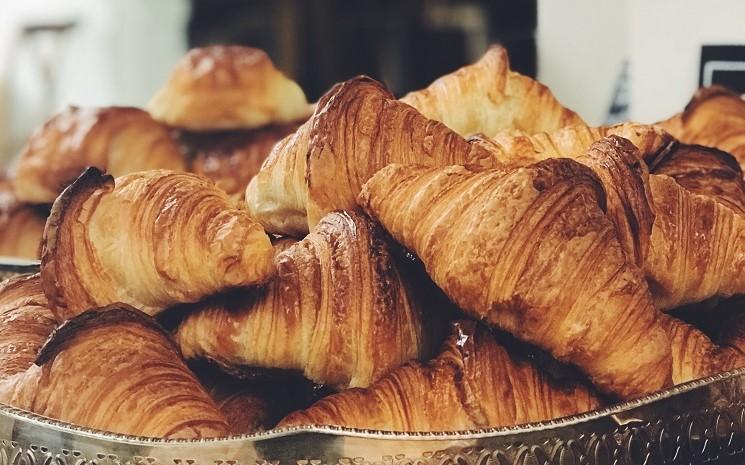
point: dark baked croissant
(715, 117)
(231, 158)
(696, 356)
(357, 128)
(25, 323)
(706, 171)
(343, 311)
(116, 370)
(535, 256)
(473, 383)
(227, 87)
(151, 239)
(488, 97)
(21, 225)
(118, 140)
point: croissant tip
(110, 315)
(70, 199)
(704, 94)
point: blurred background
(608, 60)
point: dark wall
(406, 44)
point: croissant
(714, 117)
(151, 239)
(697, 247)
(227, 87)
(25, 323)
(696, 356)
(345, 314)
(231, 158)
(128, 378)
(118, 140)
(673, 234)
(706, 171)
(536, 257)
(473, 383)
(488, 97)
(21, 225)
(574, 141)
(357, 128)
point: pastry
(474, 383)
(227, 87)
(487, 97)
(118, 140)
(715, 117)
(357, 128)
(21, 225)
(344, 312)
(128, 378)
(531, 251)
(25, 323)
(150, 239)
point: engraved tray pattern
(702, 422)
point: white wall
(581, 47)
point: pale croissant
(116, 370)
(473, 383)
(25, 323)
(118, 140)
(714, 117)
(150, 239)
(535, 256)
(344, 312)
(357, 128)
(488, 97)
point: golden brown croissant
(25, 323)
(573, 142)
(488, 97)
(357, 128)
(118, 140)
(706, 171)
(116, 370)
(231, 158)
(715, 117)
(535, 256)
(697, 247)
(21, 225)
(151, 239)
(344, 312)
(473, 383)
(696, 356)
(227, 87)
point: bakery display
(118, 140)
(473, 255)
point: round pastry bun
(227, 87)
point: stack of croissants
(235, 259)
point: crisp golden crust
(231, 158)
(21, 225)
(706, 171)
(227, 87)
(344, 310)
(536, 257)
(150, 239)
(473, 383)
(697, 247)
(128, 378)
(715, 117)
(696, 356)
(118, 140)
(357, 129)
(487, 97)
(25, 323)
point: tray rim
(340, 431)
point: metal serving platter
(699, 422)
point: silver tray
(699, 422)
